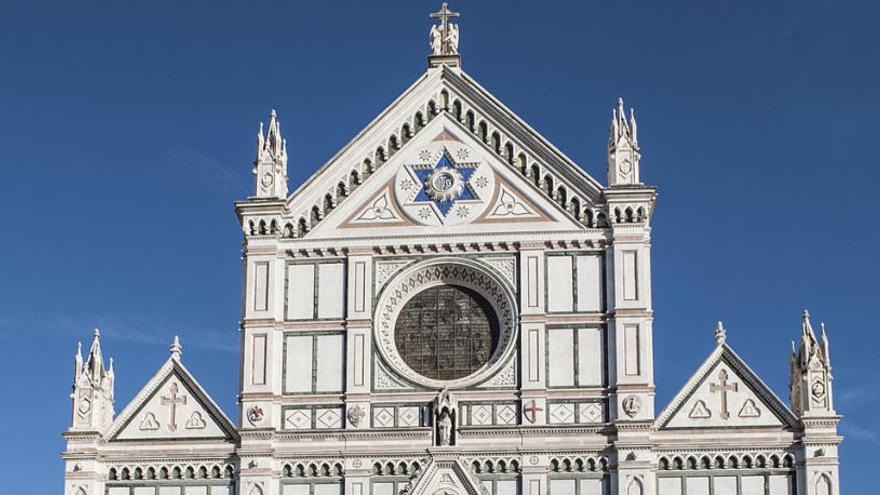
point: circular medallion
(267, 179)
(444, 183)
(446, 322)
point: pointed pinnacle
(273, 113)
(176, 348)
(79, 348)
(720, 333)
(97, 333)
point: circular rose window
(446, 332)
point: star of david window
(446, 332)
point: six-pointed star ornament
(444, 184)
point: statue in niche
(444, 418)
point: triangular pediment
(537, 188)
(172, 405)
(446, 475)
(725, 393)
(401, 199)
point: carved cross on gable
(173, 400)
(723, 387)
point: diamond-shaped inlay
(591, 412)
(383, 417)
(408, 416)
(506, 414)
(562, 413)
(328, 418)
(298, 419)
(481, 415)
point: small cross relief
(172, 400)
(723, 387)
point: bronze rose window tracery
(446, 332)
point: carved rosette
(452, 271)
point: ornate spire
(444, 39)
(811, 372)
(720, 333)
(270, 167)
(623, 147)
(92, 388)
(176, 349)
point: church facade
(451, 306)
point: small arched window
(471, 120)
(496, 142)
(456, 110)
(484, 132)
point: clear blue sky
(127, 130)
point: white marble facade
(539, 381)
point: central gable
(536, 181)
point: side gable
(725, 393)
(443, 91)
(172, 405)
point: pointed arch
(444, 100)
(576, 208)
(405, 133)
(562, 196)
(328, 203)
(340, 191)
(484, 131)
(508, 152)
(316, 216)
(522, 164)
(432, 110)
(536, 174)
(301, 228)
(470, 120)
(353, 180)
(393, 144)
(419, 121)
(380, 156)
(823, 485)
(635, 487)
(496, 142)
(456, 110)
(548, 185)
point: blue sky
(128, 129)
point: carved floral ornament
(465, 273)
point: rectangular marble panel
(300, 292)
(560, 357)
(193, 490)
(562, 413)
(328, 489)
(258, 360)
(261, 286)
(360, 287)
(383, 489)
(562, 487)
(559, 283)
(331, 298)
(408, 416)
(697, 485)
(534, 356)
(506, 487)
(589, 283)
(780, 485)
(298, 366)
(725, 485)
(331, 360)
(170, 490)
(532, 280)
(118, 490)
(358, 358)
(144, 490)
(670, 486)
(295, 489)
(328, 417)
(298, 419)
(591, 487)
(221, 490)
(631, 343)
(534, 487)
(630, 276)
(753, 485)
(591, 357)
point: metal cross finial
(444, 14)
